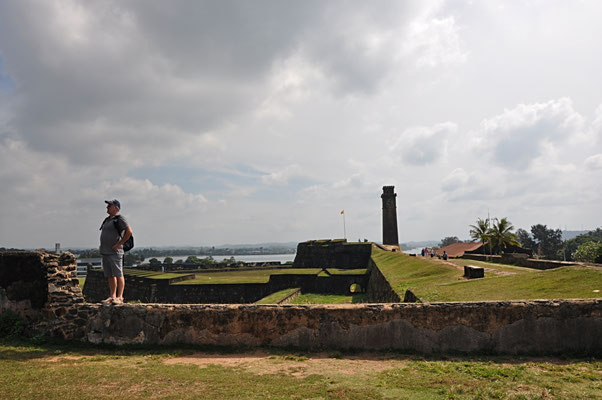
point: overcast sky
(259, 121)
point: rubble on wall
(43, 289)
(65, 316)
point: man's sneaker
(108, 300)
(118, 301)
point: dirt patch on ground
(63, 358)
(498, 272)
(299, 366)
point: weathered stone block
(59, 312)
(472, 272)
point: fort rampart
(335, 253)
(57, 308)
(163, 291)
(519, 259)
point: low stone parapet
(544, 327)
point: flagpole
(344, 228)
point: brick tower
(389, 216)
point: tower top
(388, 189)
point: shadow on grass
(30, 349)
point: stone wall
(542, 327)
(332, 254)
(162, 291)
(510, 327)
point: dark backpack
(129, 244)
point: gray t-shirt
(109, 234)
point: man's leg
(112, 286)
(107, 267)
(120, 286)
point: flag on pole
(343, 212)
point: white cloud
(521, 135)
(281, 176)
(594, 162)
(422, 145)
(435, 42)
(455, 180)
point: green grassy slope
(311, 298)
(276, 297)
(433, 280)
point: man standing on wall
(114, 232)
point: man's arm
(126, 235)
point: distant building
(458, 249)
(57, 248)
(82, 265)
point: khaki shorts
(112, 265)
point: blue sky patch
(7, 84)
(217, 184)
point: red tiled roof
(458, 249)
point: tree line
(139, 254)
(195, 260)
(499, 235)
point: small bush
(11, 326)
(589, 252)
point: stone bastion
(43, 290)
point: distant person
(444, 255)
(422, 252)
(114, 232)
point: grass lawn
(433, 280)
(59, 372)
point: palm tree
(501, 234)
(480, 231)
